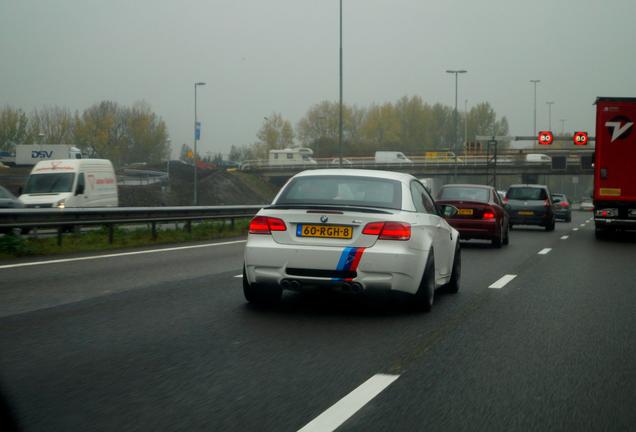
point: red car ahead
(481, 214)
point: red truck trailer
(615, 165)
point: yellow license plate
(324, 231)
(526, 213)
(465, 212)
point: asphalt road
(165, 341)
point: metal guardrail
(110, 217)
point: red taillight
(276, 224)
(388, 230)
(396, 231)
(564, 204)
(265, 225)
(505, 200)
(488, 215)
(373, 228)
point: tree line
(105, 130)
(409, 125)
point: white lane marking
(565, 237)
(238, 276)
(338, 413)
(575, 229)
(544, 251)
(582, 225)
(503, 281)
(94, 257)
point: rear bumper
(542, 218)
(388, 266)
(562, 214)
(615, 223)
(475, 228)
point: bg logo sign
(620, 127)
(41, 154)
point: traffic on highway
(163, 339)
(317, 216)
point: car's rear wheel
(453, 285)
(261, 294)
(550, 226)
(497, 240)
(568, 218)
(425, 296)
(506, 238)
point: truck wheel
(425, 296)
(601, 233)
(260, 294)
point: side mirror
(448, 211)
(79, 190)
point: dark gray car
(530, 204)
(8, 200)
(561, 206)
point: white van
(391, 157)
(538, 158)
(71, 183)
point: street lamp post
(196, 138)
(340, 110)
(549, 104)
(456, 117)
(534, 131)
(563, 126)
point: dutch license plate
(465, 212)
(324, 231)
(526, 213)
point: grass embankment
(14, 246)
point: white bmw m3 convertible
(352, 230)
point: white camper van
(71, 183)
(391, 157)
(292, 156)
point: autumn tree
(13, 128)
(51, 125)
(319, 129)
(275, 133)
(123, 135)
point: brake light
(265, 225)
(388, 230)
(373, 228)
(396, 231)
(488, 215)
(564, 204)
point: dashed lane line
(503, 281)
(544, 251)
(575, 229)
(565, 237)
(342, 410)
(238, 276)
(95, 257)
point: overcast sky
(264, 56)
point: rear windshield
(49, 183)
(343, 190)
(457, 193)
(526, 193)
(558, 197)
